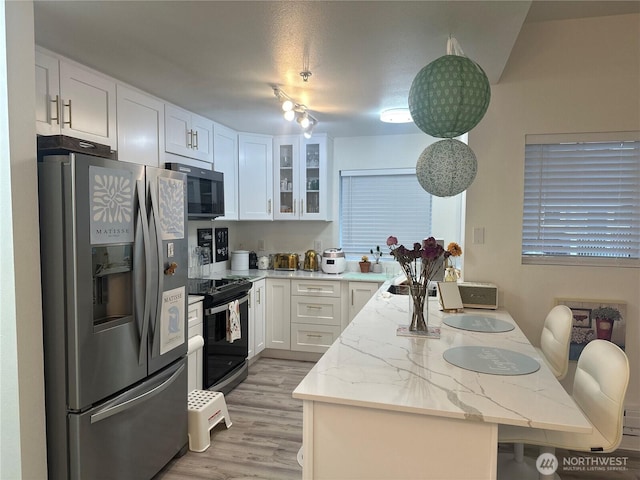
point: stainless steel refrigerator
(114, 274)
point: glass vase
(419, 315)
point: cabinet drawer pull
(314, 307)
(313, 335)
(57, 117)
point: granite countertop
(370, 366)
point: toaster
(285, 261)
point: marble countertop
(370, 366)
(301, 274)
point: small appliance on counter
(311, 261)
(286, 261)
(253, 260)
(240, 260)
(333, 261)
(263, 262)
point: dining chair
(554, 350)
(555, 339)
(599, 388)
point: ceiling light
(298, 111)
(303, 120)
(396, 115)
(287, 105)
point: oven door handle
(223, 307)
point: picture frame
(586, 327)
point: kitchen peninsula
(381, 406)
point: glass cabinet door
(312, 179)
(285, 179)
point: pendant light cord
(453, 47)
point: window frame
(566, 259)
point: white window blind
(582, 199)
(375, 204)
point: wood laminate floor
(266, 435)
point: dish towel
(233, 322)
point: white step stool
(206, 409)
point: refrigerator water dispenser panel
(112, 286)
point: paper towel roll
(195, 343)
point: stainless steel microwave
(205, 191)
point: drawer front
(195, 314)
(318, 288)
(313, 338)
(316, 310)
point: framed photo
(588, 324)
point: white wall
(562, 76)
(349, 153)
(22, 427)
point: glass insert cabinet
(301, 178)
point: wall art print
(111, 194)
(587, 324)
(171, 208)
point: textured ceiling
(221, 59)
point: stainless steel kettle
(311, 261)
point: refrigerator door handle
(147, 260)
(126, 404)
(160, 286)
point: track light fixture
(296, 111)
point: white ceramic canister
(240, 260)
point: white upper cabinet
(140, 127)
(225, 160)
(188, 134)
(74, 101)
(301, 178)
(255, 175)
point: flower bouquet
(419, 264)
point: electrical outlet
(317, 246)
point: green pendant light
(449, 96)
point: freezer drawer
(134, 435)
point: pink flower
(392, 241)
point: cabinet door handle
(189, 138)
(258, 299)
(195, 134)
(352, 293)
(294, 207)
(301, 207)
(69, 122)
(269, 206)
(57, 117)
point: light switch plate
(170, 250)
(478, 235)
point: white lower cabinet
(359, 294)
(194, 363)
(278, 314)
(257, 301)
(316, 314)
